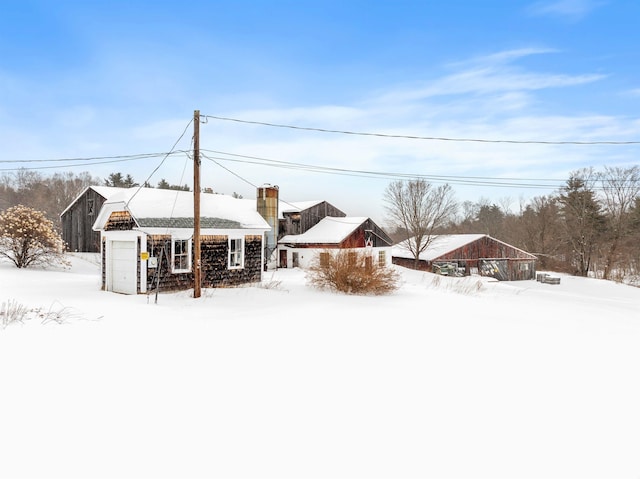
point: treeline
(51, 194)
(121, 181)
(591, 226)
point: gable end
(120, 221)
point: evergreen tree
(582, 218)
(164, 185)
(117, 180)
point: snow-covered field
(504, 380)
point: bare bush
(58, 313)
(12, 312)
(466, 286)
(351, 272)
(270, 283)
(28, 238)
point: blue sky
(86, 79)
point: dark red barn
(470, 254)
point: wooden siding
(357, 239)
(412, 264)
(485, 247)
(487, 256)
(503, 269)
(296, 223)
(366, 230)
(214, 250)
(120, 221)
(77, 222)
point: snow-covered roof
(440, 244)
(329, 230)
(105, 191)
(153, 208)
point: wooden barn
(297, 218)
(348, 232)
(78, 218)
(470, 254)
(147, 241)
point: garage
(123, 267)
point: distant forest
(52, 194)
(590, 226)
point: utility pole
(197, 276)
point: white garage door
(123, 267)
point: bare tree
(621, 188)
(49, 194)
(419, 209)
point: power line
(487, 181)
(237, 175)
(163, 160)
(468, 180)
(225, 168)
(88, 161)
(66, 166)
(90, 158)
(432, 138)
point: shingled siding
(215, 271)
(103, 262)
(159, 246)
(214, 252)
(120, 221)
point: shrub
(12, 312)
(351, 272)
(28, 238)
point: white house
(349, 232)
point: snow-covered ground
(469, 378)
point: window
(324, 259)
(181, 255)
(382, 258)
(524, 266)
(90, 207)
(236, 258)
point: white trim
(306, 256)
(110, 237)
(241, 252)
(188, 242)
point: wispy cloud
(569, 9)
(504, 56)
(489, 97)
(492, 74)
